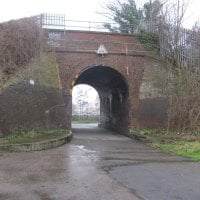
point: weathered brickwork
(117, 75)
(120, 71)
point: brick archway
(113, 91)
(130, 103)
(78, 52)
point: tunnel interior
(113, 92)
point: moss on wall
(46, 72)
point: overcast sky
(73, 9)
(85, 92)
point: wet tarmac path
(98, 165)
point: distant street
(98, 165)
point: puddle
(89, 153)
(81, 147)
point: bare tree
(171, 31)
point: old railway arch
(114, 64)
(113, 93)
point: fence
(59, 21)
(176, 45)
(181, 46)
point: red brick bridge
(114, 64)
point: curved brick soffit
(78, 74)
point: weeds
(181, 143)
(21, 136)
(84, 121)
(182, 148)
(21, 41)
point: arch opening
(113, 92)
(85, 104)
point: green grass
(155, 132)
(182, 148)
(43, 70)
(31, 136)
(84, 121)
(184, 144)
(46, 72)
(16, 78)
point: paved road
(149, 173)
(98, 165)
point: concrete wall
(36, 105)
(153, 106)
(152, 113)
(25, 107)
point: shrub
(20, 42)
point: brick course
(76, 52)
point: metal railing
(182, 46)
(59, 21)
(186, 50)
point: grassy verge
(46, 72)
(84, 121)
(31, 136)
(182, 148)
(181, 144)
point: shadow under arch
(113, 91)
